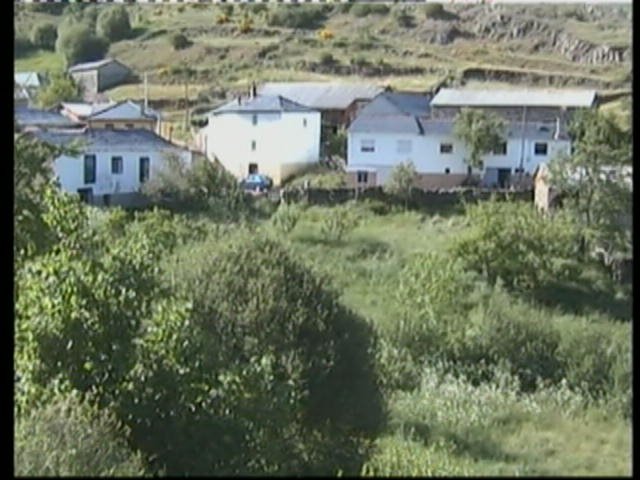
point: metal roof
(26, 116)
(125, 110)
(322, 95)
(80, 67)
(514, 98)
(261, 103)
(111, 140)
(86, 109)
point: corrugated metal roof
(112, 140)
(86, 109)
(80, 67)
(125, 110)
(26, 116)
(261, 103)
(322, 95)
(514, 97)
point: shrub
(22, 46)
(260, 368)
(403, 177)
(326, 58)
(245, 25)
(325, 34)
(297, 16)
(222, 19)
(404, 18)
(44, 36)
(69, 437)
(338, 222)
(114, 24)
(60, 88)
(286, 217)
(433, 10)
(494, 244)
(363, 9)
(78, 44)
(179, 41)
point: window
(144, 169)
(304, 122)
(367, 145)
(253, 145)
(116, 165)
(129, 125)
(540, 148)
(89, 169)
(447, 170)
(500, 149)
(254, 119)
(253, 168)
(109, 126)
(403, 146)
(446, 148)
(363, 177)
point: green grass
(39, 61)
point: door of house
(86, 195)
(253, 168)
(504, 176)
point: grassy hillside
(402, 47)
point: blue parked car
(256, 183)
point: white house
(397, 127)
(112, 164)
(263, 134)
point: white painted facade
(278, 143)
(71, 175)
(390, 149)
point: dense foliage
(61, 87)
(480, 131)
(179, 41)
(402, 180)
(44, 35)
(298, 16)
(113, 24)
(78, 43)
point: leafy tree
(433, 10)
(70, 437)
(480, 131)
(60, 88)
(595, 179)
(337, 144)
(495, 246)
(252, 367)
(44, 35)
(401, 182)
(114, 24)
(298, 16)
(77, 43)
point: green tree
(77, 43)
(60, 88)
(179, 41)
(114, 24)
(71, 437)
(44, 35)
(480, 131)
(403, 177)
(337, 144)
(596, 179)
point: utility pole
(146, 94)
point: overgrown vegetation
(480, 131)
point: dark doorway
(86, 195)
(106, 200)
(504, 177)
(253, 168)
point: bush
(433, 10)
(179, 41)
(327, 59)
(44, 36)
(69, 437)
(114, 24)
(286, 217)
(363, 9)
(494, 244)
(260, 368)
(404, 18)
(60, 88)
(79, 44)
(22, 46)
(338, 222)
(297, 16)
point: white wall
(70, 170)
(281, 138)
(425, 153)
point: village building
(96, 77)
(112, 165)
(399, 127)
(29, 119)
(25, 87)
(269, 135)
(113, 115)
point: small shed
(95, 77)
